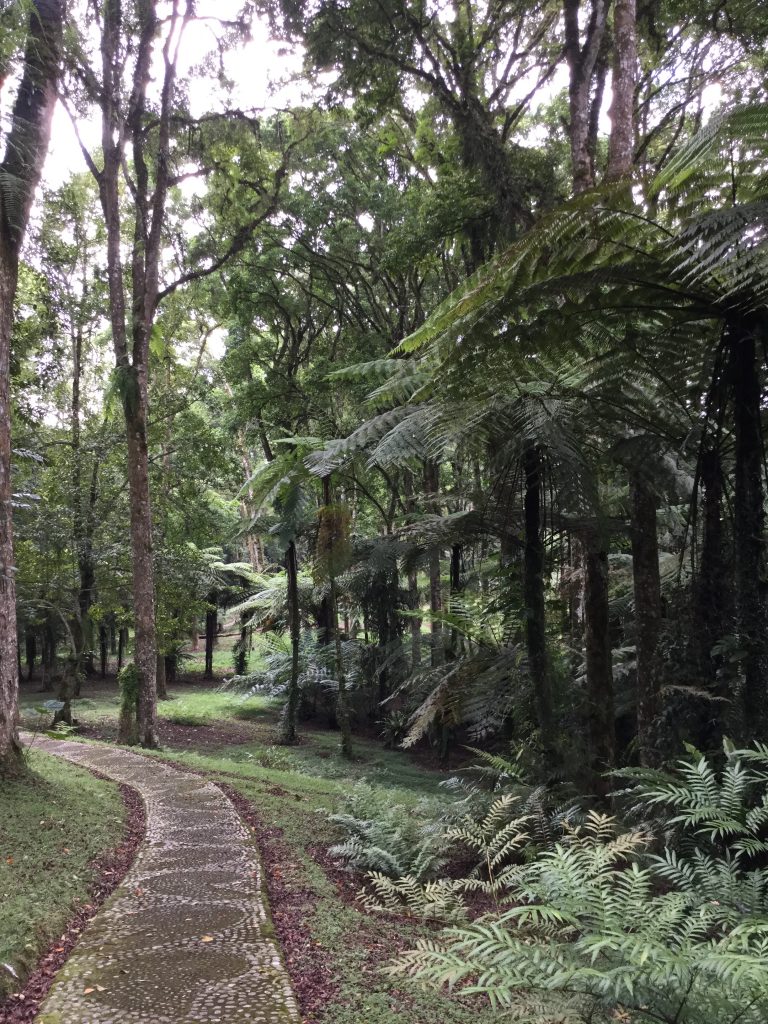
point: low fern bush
(621, 933)
(391, 839)
(588, 921)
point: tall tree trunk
(647, 593)
(288, 734)
(749, 528)
(22, 164)
(600, 713)
(621, 143)
(83, 520)
(342, 704)
(533, 587)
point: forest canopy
(448, 369)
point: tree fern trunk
(713, 599)
(600, 713)
(749, 528)
(533, 586)
(647, 593)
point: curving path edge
(186, 938)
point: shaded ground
(186, 938)
(110, 868)
(57, 825)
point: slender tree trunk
(294, 625)
(82, 519)
(31, 645)
(211, 626)
(162, 692)
(414, 601)
(600, 713)
(22, 164)
(533, 586)
(112, 637)
(122, 643)
(621, 144)
(647, 594)
(103, 650)
(749, 529)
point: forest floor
(66, 839)
(336, 953)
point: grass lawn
(53, 822)
(290, 788)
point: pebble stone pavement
(186, 938)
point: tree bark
(533, 588)
(749, 528)
(600, 713)
(144, 644)
(414, 601)
(621, 143)
(647, 594)
(26, 147)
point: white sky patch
(263, 75)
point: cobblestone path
(186, 938)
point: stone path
(186, 938)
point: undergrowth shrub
(619, 930)
(588, 921)
(391, 839)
